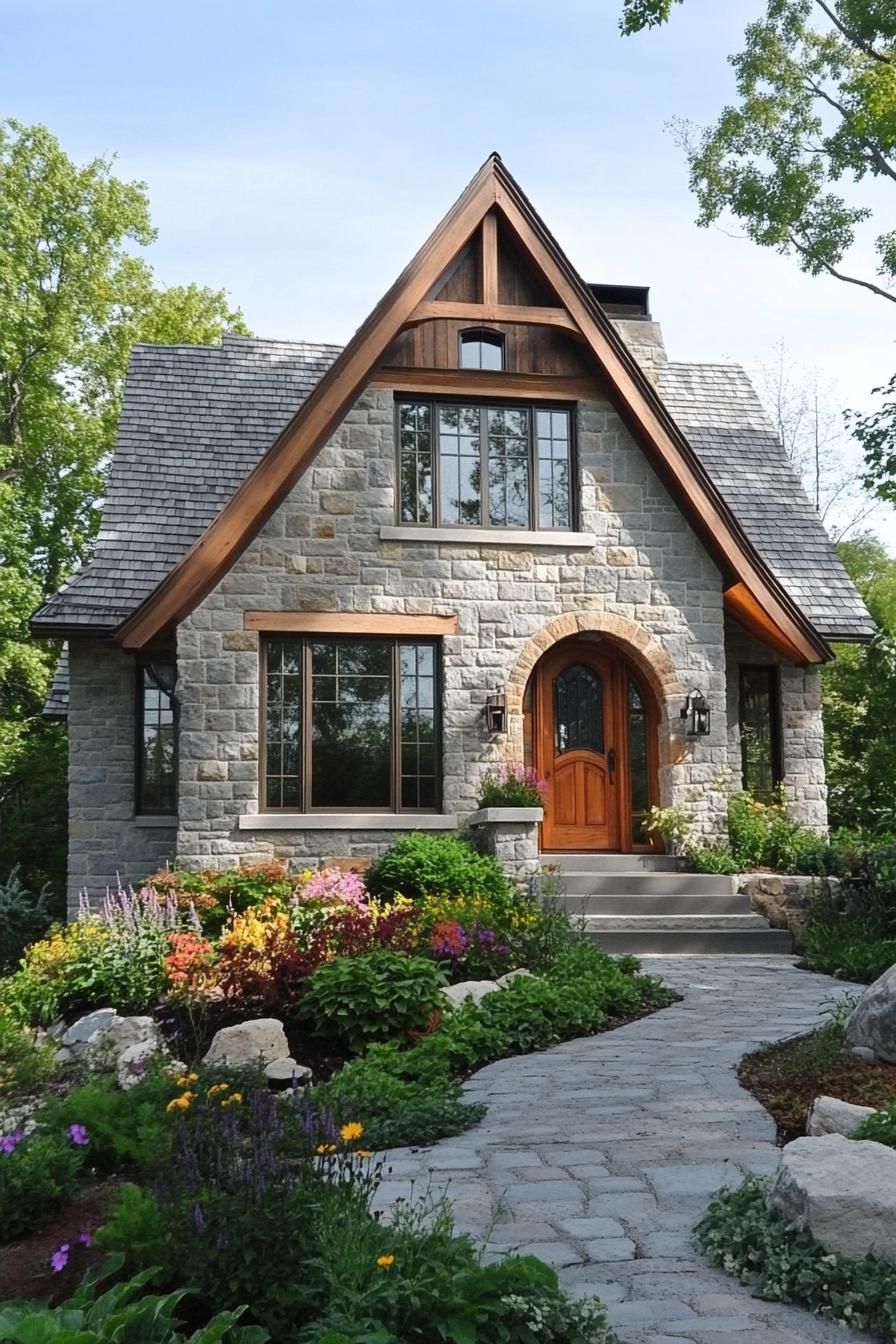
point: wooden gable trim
(347, 623)
(483, 383)
(482, 314)
(271, 480)
(742, 606)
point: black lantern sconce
(495, 712)
(696, 714)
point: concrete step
(716, 941)
(646, 884)
(675, 923)
(613, 863)
(649, 903)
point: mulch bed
(787, 1077)
(25, 1270)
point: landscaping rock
(133, 1062)
(258, 1042)
(863, 1053)
(783, 901)
(469, 989)
(87, 1030)
(830, 1115)
(123, 1032)
(506, 980)
(872, 1023)
(842, 1190)
(283, 1074)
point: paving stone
(522, 1192)
(554, 1253)
(607, 1249)
(648, 1309)
(590, 1229)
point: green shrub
(25, 1066)
(421, 864)
(374, 997)
(127, 1129)
(24, 917)
(712, 859)
(880, 1127)
(121, 1313)
(395, 1111)
(38, 1174)
(852, 948)
(781, 1264)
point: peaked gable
(492, 200)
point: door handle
(611, 762)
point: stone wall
(802, 730)
(106, 841)
(322, 551)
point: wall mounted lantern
(696, 714)
(495, 712)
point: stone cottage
(333, 585)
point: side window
(156, 783)
(760, 730)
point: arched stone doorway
(592, 724)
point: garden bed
(787, 1077)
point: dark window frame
(484, 405)
(773, 674)
(306, 805)
(481, 336)
(141, 808)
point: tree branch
(839, 275)
(876, 155)
(852, 37)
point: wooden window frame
(773, 673)
(484, 405)
(140, 808)
(306, 804)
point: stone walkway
(601, 1154)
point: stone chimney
(627, 307)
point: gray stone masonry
(105, 841)
(600, 1155)
(322, 551)
(802, 728)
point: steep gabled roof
(759, 596)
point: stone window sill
(513, 816)
(148, 821)
(347, 821)
(490, 536)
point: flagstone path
(600, 1155)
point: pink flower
(59, 1259)
(331, 886)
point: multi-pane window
(760, 730)
(484, 465)
(351, 724)
(481, 350)
(156, 739)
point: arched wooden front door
(594, 741)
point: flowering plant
(188, 965)
(512, 785)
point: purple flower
(59, 1259)
(78, 1135)
(84, 1237)
(198, 1218)
(10, 1142)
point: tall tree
(813, 126)
(74, 297)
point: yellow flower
(180, 1103)
(187, 1079)
(218, 1089)
(385, 1261)
(363, 1152)
(326, 1147)
(351, 1131)
(233, 1100)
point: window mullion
(484, 514)
(435, 459)
(533, 470)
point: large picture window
(760, 730)
(484, 465)
(156, 739)
(351, 724)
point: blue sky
(298, 154)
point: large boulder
(829, 1115)
(132, 1063)
(872, 1023)
(469, 989)
(842, 1190)
(89, 1029)
(258, 1042)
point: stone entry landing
(601, 1154)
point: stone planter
(784, 900)
(511, 835)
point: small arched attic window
(481, 350)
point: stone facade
(802, 729)
(642, 567)
(106, 841)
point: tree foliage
(859, 697)
(75, 295)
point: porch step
(714, 941)
(653, 903)
(645, 883)
(613, 863)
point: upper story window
(481, 350)
(484, 466)
(156, 739)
